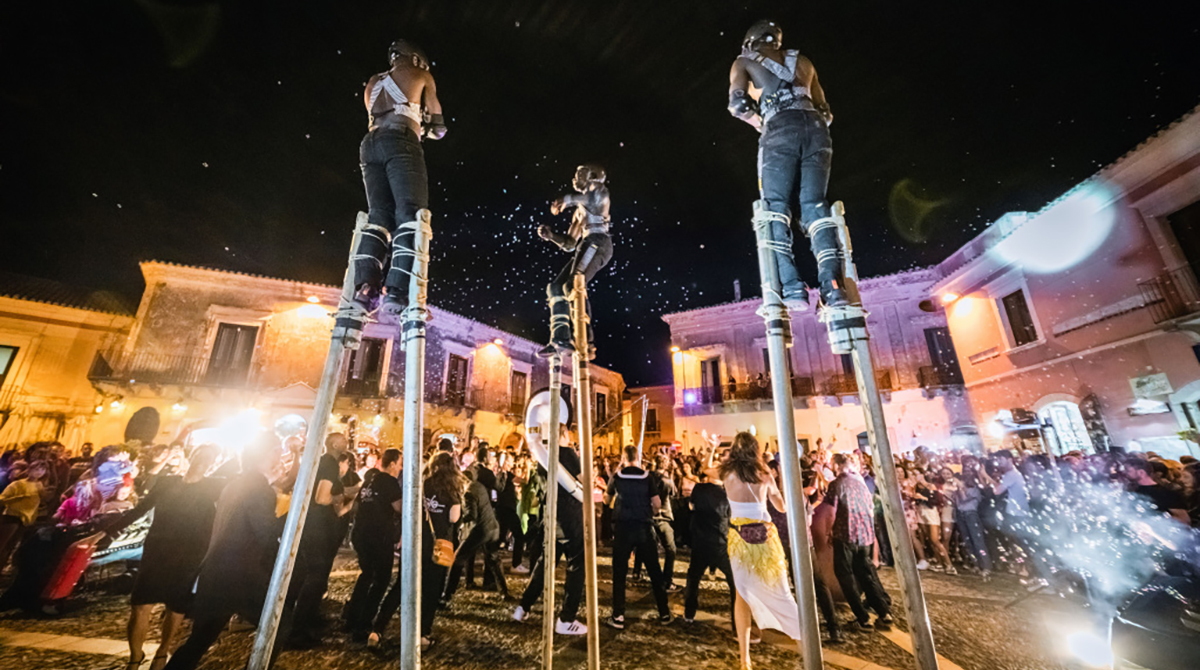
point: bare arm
(655, 504)
(436, 128)
(455, 513)
(324, 494)
(741, 105)
(775, 496)
(367, 92)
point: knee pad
(554, 293)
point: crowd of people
(218, 513)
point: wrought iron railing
(1171, 294)
(755, 390)
(153, 368)
(931, 376)
(848, 384)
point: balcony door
(942, 355)
(456, 381)
(710, 380)
(232, 352)
(364, 370)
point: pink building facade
(1078, 326)
(720, 373)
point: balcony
(165, 369)
(932, 376)
(802, 387)
(848, 384)
(1171, 295)
(367, 387)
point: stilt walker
(589, 243)
(795, 153)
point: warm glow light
(948, 298)
(498, 341)
(312, 312)
(377, 420)
(314, 300)
(116, 404)
(963, 307)
(99, 408)
(674, 350)
(179, 407)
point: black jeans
(510, 522)
(486, 539)
(593, 253)
(569, 543)
(375, 559)
(630, 537)
(314, 562)
(393, 169)
(794, 157)
(857, 577)
(664, 534)
(704, 557)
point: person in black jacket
(483, 532)
(237, 567)
(635, 501)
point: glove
(436, 128)
(742, 105)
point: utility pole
(847, 328)
(779, 336)
(347, 334)
(549, 520)
(583, 386)
(412, 340)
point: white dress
(760, 572)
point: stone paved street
(973, 627)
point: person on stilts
(794, 156)
(591, 245)
(403, 108)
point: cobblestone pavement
(974, 627)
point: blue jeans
(971, 529)
(794, 157)
(393, 168)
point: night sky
(226, 134)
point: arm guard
(435, 129)
(742, 105)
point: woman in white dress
(764, 593)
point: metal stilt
(347, 334)
(847, 328)
(779, 336)
(549, 525)
(412, 340)
(583, 389)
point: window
(942, 355)
(518, 388)
(456, 381)
(232, 351)
(365, 368)
(7, 355)
(652, 420)
(1069, 432)
(601, 408)
(767, 362)
(1021, 329)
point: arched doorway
(1068, 432)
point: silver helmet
(764, 32)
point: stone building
(49, 334)
(1078, 326)
(660, 414)
(212, 348)
(721, 373)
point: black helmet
(588, 173)
(763, 32)
(405, 49)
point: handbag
(753, 533)
(443, 550)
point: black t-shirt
(376, 517)
(1163, 499)
(506, 497)
(710, 515)
(568, 507)
(438, 509)
(633, 488)
(327, 470)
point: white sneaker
(923, 565)
(520, 570)
(519, 614)
(573, 628)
